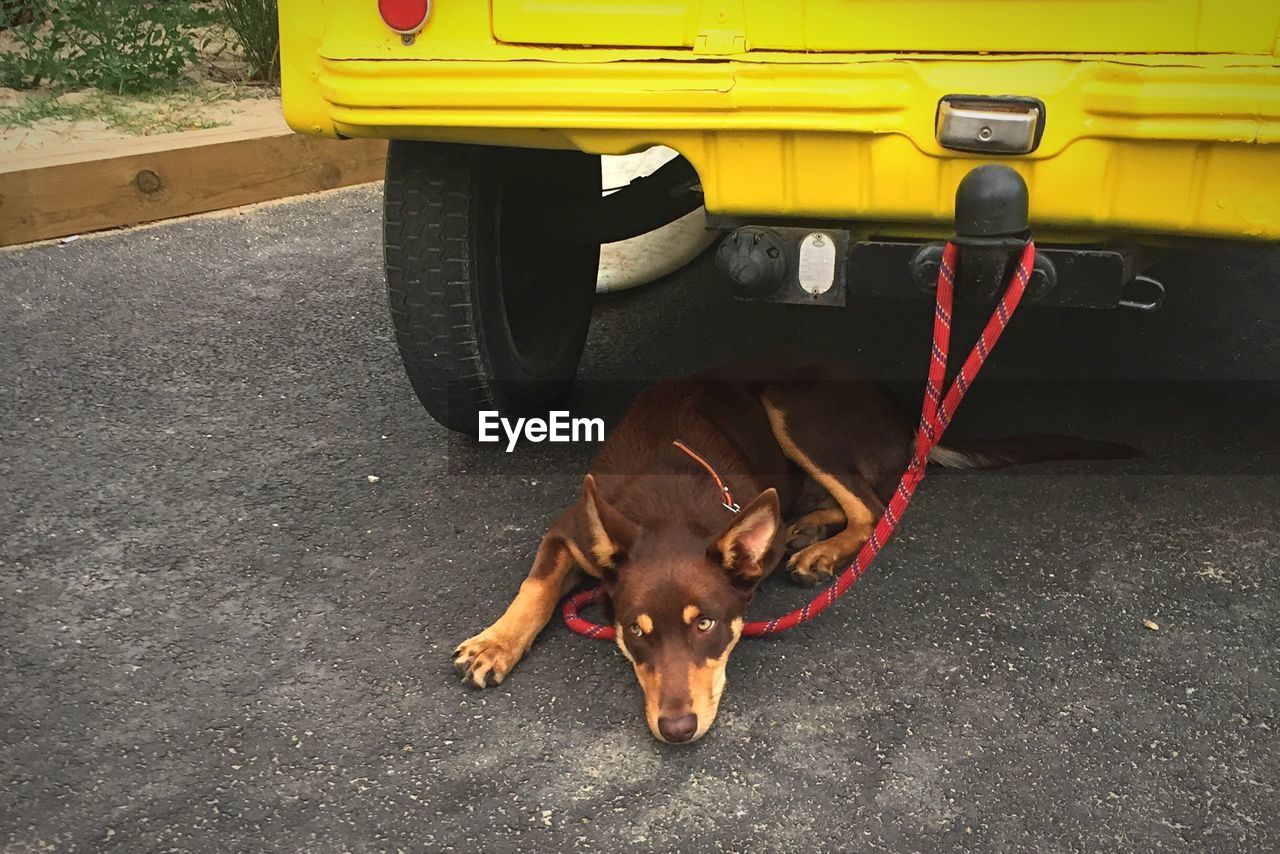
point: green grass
(138, 117)
(37, 109)
(253, 23)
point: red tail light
(404, 16)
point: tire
(490, 300)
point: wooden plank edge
(195, 175)
(77, 151)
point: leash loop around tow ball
(935, 415)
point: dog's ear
(608, 534)
(745, 544)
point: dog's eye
(705, 624)
(636, 630)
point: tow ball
(820, 266)
(992, 225)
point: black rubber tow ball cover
(991, 201)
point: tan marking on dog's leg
(488, 657)
(689, 614)
(817, 562)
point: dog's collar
(728, 502)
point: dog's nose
(678, 729)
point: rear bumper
(1159, 147)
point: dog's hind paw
(486, 659)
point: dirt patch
(35, 120)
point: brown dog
(815, 445)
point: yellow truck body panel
(1162, 116)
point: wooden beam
(111, 184)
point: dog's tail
(998, 453)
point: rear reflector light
(1001, 124)
(404, 16)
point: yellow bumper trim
(1180, 146)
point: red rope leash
(935, 416)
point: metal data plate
(817, 266)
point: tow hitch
(820, 266)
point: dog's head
(678, 600)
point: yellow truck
(827, 138)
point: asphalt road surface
(218, 633)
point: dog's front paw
(814, 564)
(485, 659)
